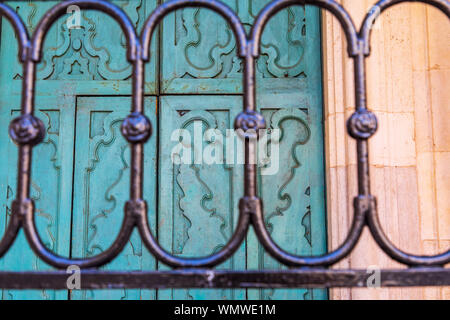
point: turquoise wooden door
(198, 56)
(81, 171)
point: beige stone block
(333, 72)
(332, 202)
(340, 149)
(340, 209)
(352, 185)
(396, 192)
(391, 63)
(427, 196)
(352, 159)
(408, 211)
(412, 293)
(398, 59)
(384, 189)
(444, 245)
(419, 39)
(394, 144)
(357, 9)
(341, 141)
(330, 145)
(340, 294)
(431, 293)
(412, 105)
(442, 193)
(439, 39)
(440, 80)
(422, 112)
(377, 88)
(430, 247)
(344, 206)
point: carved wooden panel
(86, 53)
(101, 188)
(51, 190)
(199, 49)
(198, 201)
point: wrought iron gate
(28, 131)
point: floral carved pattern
(109, 202)
(85, 53)
(286, 211)
(209, 50)
(288, 171)
(193, 195)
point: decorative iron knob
(27, 130)
(362, 124)
(249, 123)
(136, 128)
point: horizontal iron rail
(209, 278)
(27, 131)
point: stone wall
(408, 78)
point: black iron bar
(28, 131)
(211, 279)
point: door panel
(101, 188)
(51, 190)
(87, 61)
(199, 50)
(198, 206)
(199, 57)
(293, 197)
(90, 61)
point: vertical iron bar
(25, 151)
(137, 150)
(361, 144)
(250, 169)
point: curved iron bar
(19, 29)
(335, 8)
(372, 215)
(139, 207)
(258, 217)
(395, 253)
(23, 206)
(156, 17)
(21, 33)
(308, 261)
(10, 235)
(381, 6)
(106, 7)
(57, 261)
